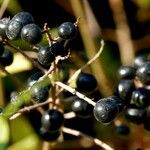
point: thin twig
(69, 115)
(80, 134)
(34, 63)
(74, 92)
(74, 76)
(48, 35)
(88, 63)
(29, 108)
(106, 86)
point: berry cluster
(131, 95)
(133, 89)
(22, 26)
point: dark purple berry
(125, 89)
(141, 97)
(57, 49)
(6, 58)
(105, 110)
(126, 72)
(3, 26)
(82, 108)
(48, 136)
(86, 82)
(52, 120)
(45, 56)
(23, 17)
(31, 33)
(135, 115)
(13, 30)
(139, 61)
(143, 73)
(67, 30)
(39, 93)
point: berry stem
(106, 86)
(95, 140)
(69, 115)
(74, 92)
(29, 108)
(48, 35)
(75, 75)
(34, 63)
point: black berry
(140, 97)
(125, 89)
(86, 82)
(34, 77)
(45, 56)
(143, 73)
(82, 108)
(6, 58)
(57, 49)
(48, 136)
(105, 110)
(13, 30)
(52, 120)
(122, 129)
(126, 72)
(139, 61)
(31, 33)
(23, 17)
(3, 26)
(135, 115)
(67, 30)
(39, 93)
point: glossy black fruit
(141, 97)
(6, 58)
(67, 30)
(122, 129)
(45, 56)
(48, 136)
(23, 17)
(34, 77)
(3, 26)
(39, 94)
(52, 120)
(31, 33)
(82, 108)
(139, 61)
(13, 30)
(143, 73)
(57, 49)
(125, 89)
(86, 82)
(126, 72)
(105, 110)
(135, 115)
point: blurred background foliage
(100, 19)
